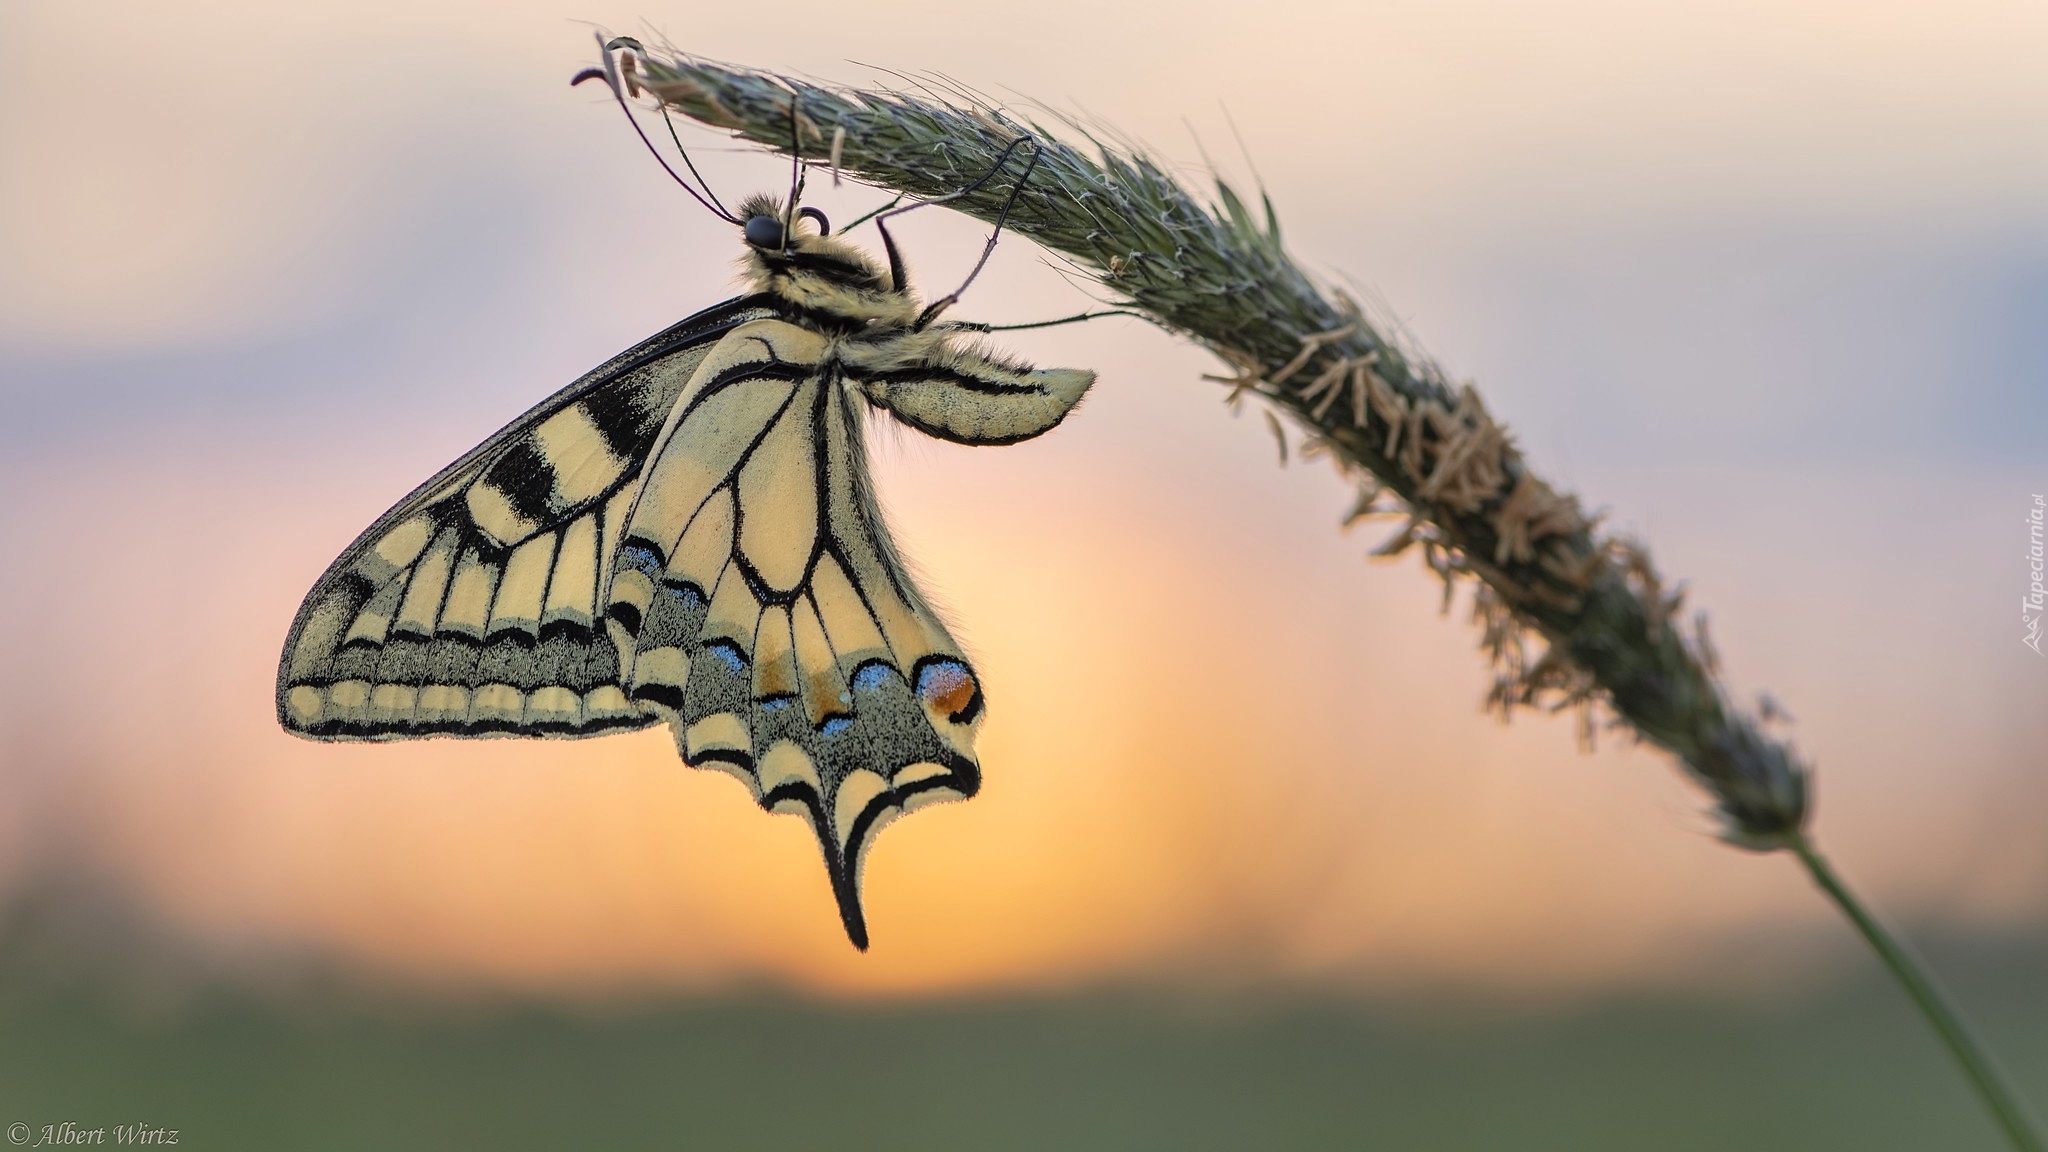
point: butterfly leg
(896, 274)
(977, 326)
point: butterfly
(689, 536)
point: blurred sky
(1765, 280)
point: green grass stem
(2005, 1105)
(1570, 617)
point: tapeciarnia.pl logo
(2031, 605)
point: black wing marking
(962, 394)
(471, 608)
(760, 608)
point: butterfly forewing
(469, 609)
(690, 534)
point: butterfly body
(689, 535)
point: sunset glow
(1221, 745)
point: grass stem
(1570, 616)
(1983, 1072)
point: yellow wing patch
(472, 608)
(776, 631)
(689, 535)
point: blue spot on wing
(872, 677)
(728, 655)
(949, 686)
(641, 559)
(940, 676)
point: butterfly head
(808, 266)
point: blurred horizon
(1765, 282)
(106, 1018)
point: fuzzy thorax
(824, 275)
(925, 375)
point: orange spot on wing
(947, 687)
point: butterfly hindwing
(472, 608)
(760, 608)
(690, 535)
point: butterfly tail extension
(887, 759)
(849, 743)
(758, 607)
(689, 535)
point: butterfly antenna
(610, 75)
(796, 172)
(940, 305)
(685, 154)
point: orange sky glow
(1222, 745)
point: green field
(108, 1027)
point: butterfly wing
(760, 607)
(470, 608)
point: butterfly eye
(764, 232)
